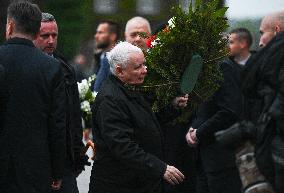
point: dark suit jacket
(128, 140)
(219, 113)
(32, 133)
(102, 73)
(74, 130)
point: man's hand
(56, 184)
(173, 175)
(191, 138)
(180, 102)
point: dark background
(78, 19)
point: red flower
(150, 40)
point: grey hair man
(271, 25)
(128, 135)
(133, 27)
(32, 123)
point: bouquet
(183, 58)
(87, 97)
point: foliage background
(77, 20)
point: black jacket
(264, 84)
(128, 140)
(263, 78)
(219, 113)
(74, 129)
(32, 119)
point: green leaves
(172, 69)
(220, 12)
(191, 73)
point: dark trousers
(224, 181)
(180, 155)
(69, 183)
(279, 178)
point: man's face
(266, 33)
(47, 39)
(135, 71)
(235, 45)
(102, 36)
(132, 35)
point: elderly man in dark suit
(128, 135)
(32, 132)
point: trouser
(277, 151)
(180, 155)
(224, 181)
(69, 183)
(279, 178)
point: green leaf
(191, 73)
(220, 12)
(198, 4)
(89, 95)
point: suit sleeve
(116, 129)
(229, 102)
(57, 127)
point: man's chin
(48, 51)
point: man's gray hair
(119, 55)
(47, 17)
(137, 21)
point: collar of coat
(21, 41)
(128, 89)
(264, 65)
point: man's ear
(277, 29)
(10, 28)
(243, 44)
(113, 37)
(119, 71)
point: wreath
(183, 58)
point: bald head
(270, 26)
(135, 26)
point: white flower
(91, 79)
(83, 88)
(155, 42)
(171, 22)
(94, 94)
(85, 106)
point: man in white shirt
(240, 41)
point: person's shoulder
(46, 63)
(63, 62)
(227, 64)
(48, 60)
(113, 91)
(110, 90)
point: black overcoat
(128, 140)
(32, 119)
(74, 130)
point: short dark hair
(27, 17)
(243, 34)
(113, 27)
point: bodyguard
(32, 101)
